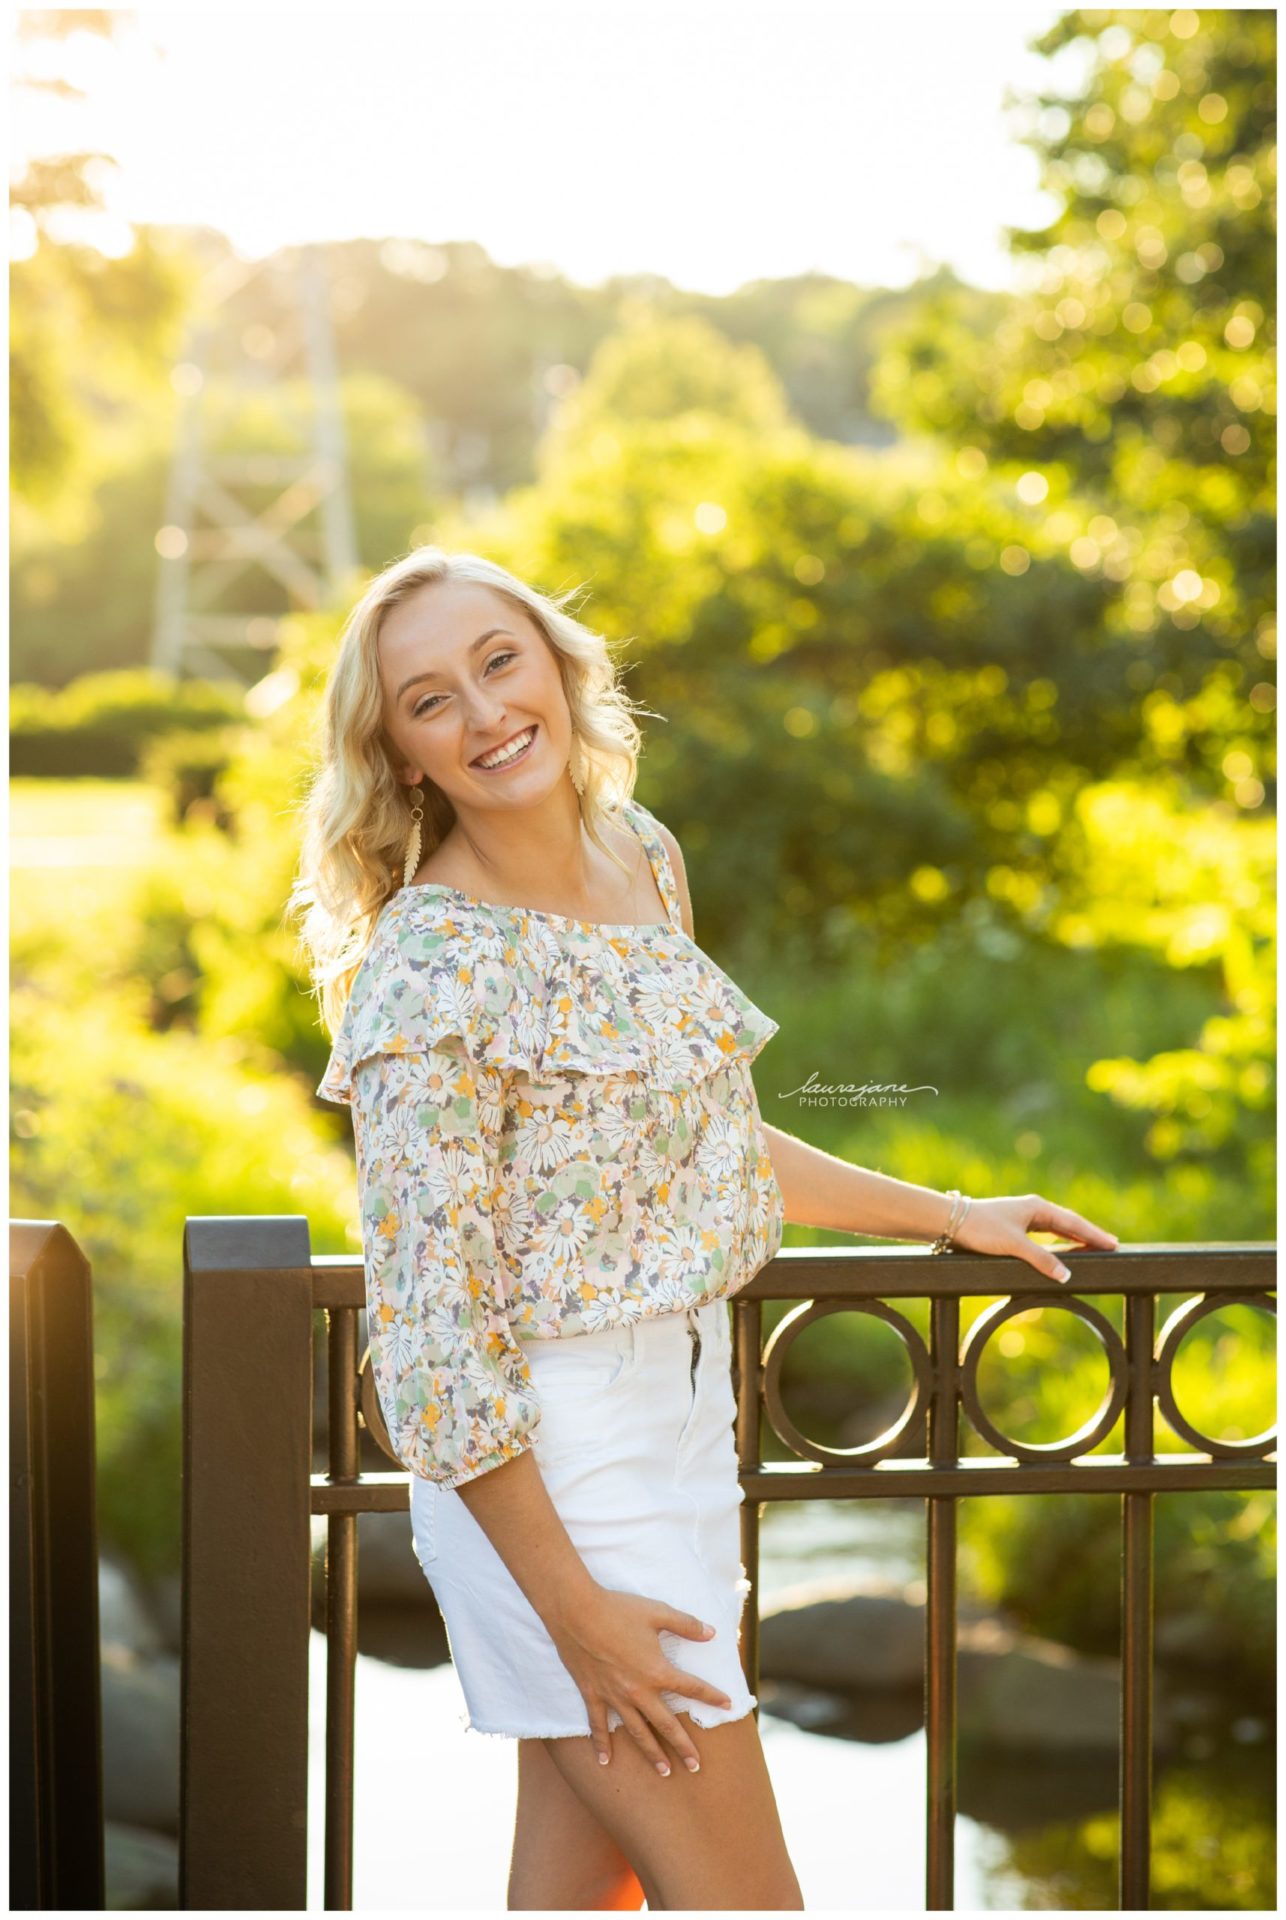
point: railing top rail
(826, 1273)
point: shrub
(186, 765)
(102, 723)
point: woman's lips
(516, 759)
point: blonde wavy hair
(355, 817)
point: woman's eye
(426, 705)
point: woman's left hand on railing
(1001, 1226)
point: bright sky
(713, 143)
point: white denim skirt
(635, 1445)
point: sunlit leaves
(1140, 357)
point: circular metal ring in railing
(783, 1336)
(1095, 1429)
(1180, 1323)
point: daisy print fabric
(556, 1131)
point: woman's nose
(484, 715)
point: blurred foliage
(1195, 888)
(845, 628)
(1140, 371)
(489, 352)
(124, 1130)
(102, 723)
(187, 765)
(1211, 1839)
(1140, 368)
(89, 334)
(66, 395)
(654, 368)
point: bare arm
(819, 1190)
(511, 1504)
(822, 1191)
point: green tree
(88, 331)
(654, 368)
(1137, 370)
(1131, 388)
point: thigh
(563, 1857)
(703, 1840)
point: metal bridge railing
(251, 1289)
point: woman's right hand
(614, 1655)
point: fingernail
(694, 1766)
(661, 1767)
(603, 1759)
(707, 1630)
(1061, 1273)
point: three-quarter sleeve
(453, 1384)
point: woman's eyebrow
(481, 641)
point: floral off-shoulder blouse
(556, 1131)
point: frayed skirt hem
(583, 1733)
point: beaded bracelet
(959, 1208)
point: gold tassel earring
(576, 765)
(413, 842)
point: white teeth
(509, 753)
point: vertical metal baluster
(341, 1613)
(940, 1616)
(747, 1335)
(1136, 1616)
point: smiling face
(465, 672)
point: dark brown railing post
(55, 1702)
(247, 1461)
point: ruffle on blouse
(520, 994)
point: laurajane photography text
(871, 1093)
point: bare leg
(563, 1860)
(701, 1841)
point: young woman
(563, 1176)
